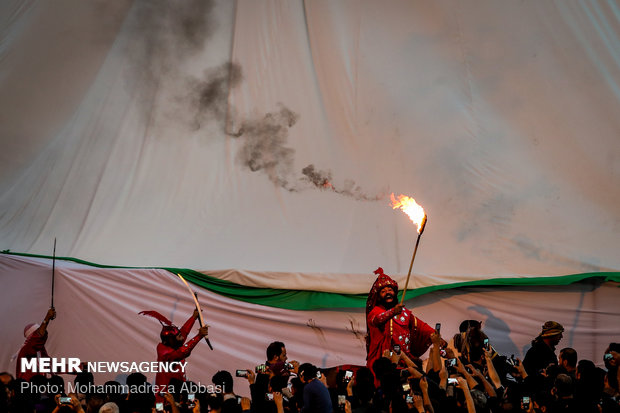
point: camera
(342, 399)
(65, 400)
(348, 375)
(261, 368)
(288, 366)
(450, 388)
(525, 402)
(191, 399)
(406, 388)
(159, 407)
(241, 373)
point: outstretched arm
(187, 327)
(379, 318)
(51, 314)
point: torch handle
(415, 250)
(53, 271)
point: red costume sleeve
(166, 353)
(187, 327)
(378, 318)
(422, 340)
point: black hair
(569, 354)
(223, 378)
(274, 349)
(308, 371)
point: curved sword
(195, 297)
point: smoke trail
(323, 180)
(264, 146)
(265, 149)
(209, 96)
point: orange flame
(410, 207)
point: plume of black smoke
(265, 150)
(323, 180)
(162, 35)
(320, 179)
(166, 31)
(209, 97)
(264, 146)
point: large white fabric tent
(257, 142)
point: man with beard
(390, 324)
(542, 352)
(173, 347)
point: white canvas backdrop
(126, 136)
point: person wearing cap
(390, 324)
(542, 352)
(173, 346)
(34, 346)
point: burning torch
(417, 215)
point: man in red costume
(390, 324)
(173, 346)
(34, 346)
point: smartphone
(348, 375)
(451, 363)
(450, 391)
(65, 400)
(438, 327)
(241, 373)
(342, 399)
(485, 343)
(452, 381)
(525, 402)
(608, 357)
(261, 368)
(406, 388)
(409, 399)
(319, 374)
(159, 407)
(269, 396)
(396, 349)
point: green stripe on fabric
(316, 300)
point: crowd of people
(410, 368)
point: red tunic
(386, 328)
(167, 353)
(34, 347)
